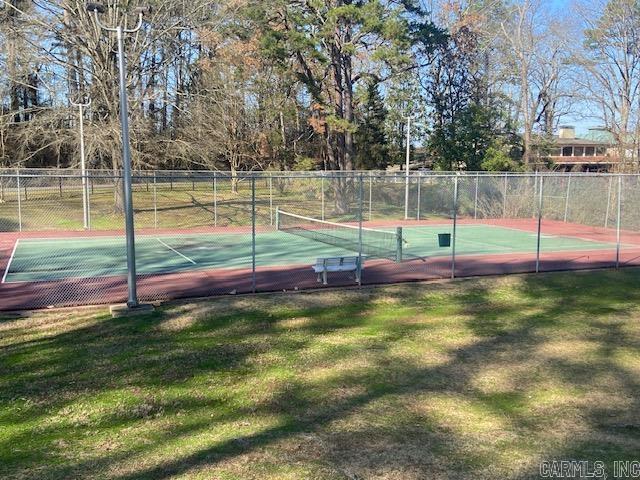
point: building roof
(600, 134)
(578, 142)
(581, 142)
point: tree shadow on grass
(411, 381)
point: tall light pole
(83, 164)
(85, 188)
(132, 300)
(406, 167)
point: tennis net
(373, 242)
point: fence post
(475, 201)
(360, 214)
(535, 191)
(455, 225)
(418, 206)
(60, 185)
(253, 234)
(88, 201)
(407, 168)
(322, 196)
(504, 198)
(566, 200)
(270, 199)
(155, 202)
(618, 221)
(215, 200)
(540, 196)
(606, 215)
(370, 193)
(406, 196)
(19, 200)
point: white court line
(173, 249)
(13, 252)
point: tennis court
(197, 237)
(50, 259)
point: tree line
(316, 84)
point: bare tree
(538, 56)
(609, 66)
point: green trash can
(444, 239)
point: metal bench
(336, 264)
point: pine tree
(371, 140)
(468, 117)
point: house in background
(566, 152)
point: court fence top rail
(195, 174)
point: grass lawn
(480, 378)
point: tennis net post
(399, 242)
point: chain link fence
(217, 233)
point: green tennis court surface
(55, 259)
